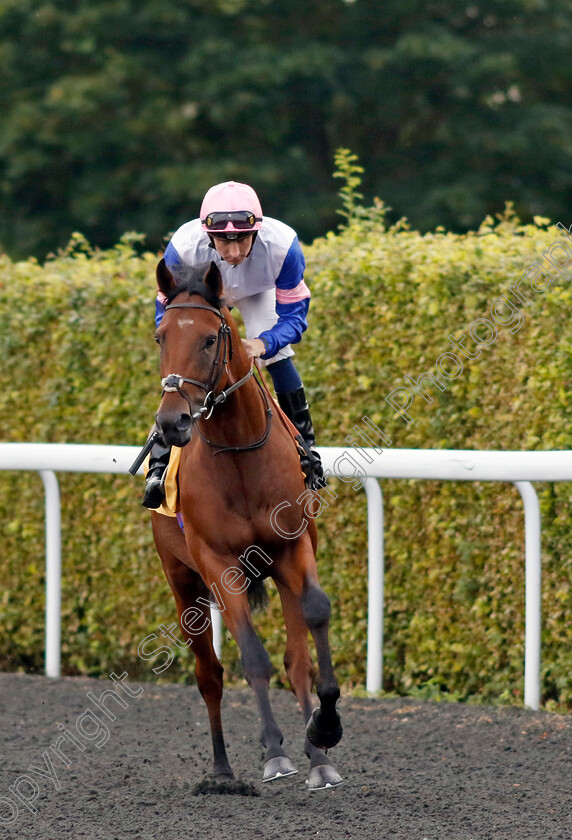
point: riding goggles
(239, 219)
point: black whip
(154, 436)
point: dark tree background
(117, 115)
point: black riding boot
(294, 405)
(155, 480)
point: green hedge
(80, 365)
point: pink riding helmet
(231, 208)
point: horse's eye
(210, 340)
(157, 339)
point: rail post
(533, 594)
(375, 575)
(53, 572)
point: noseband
(175, 382)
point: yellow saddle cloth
(170, 506)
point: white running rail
(520, 468)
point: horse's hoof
(323, 777)
(324, 739)
(276, 768)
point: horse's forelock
(190, 279)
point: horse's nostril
(183, 423)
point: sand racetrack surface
(412, 769)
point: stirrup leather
(295, 406)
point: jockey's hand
(254, 347)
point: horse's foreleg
(187, 586)
(208, 672)
(298, 574)
(300, 671)
(257, 671)
(324, 727)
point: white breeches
(259, 314)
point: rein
(174, 382)
(219, 447)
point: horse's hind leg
(300, 671)
(187, 586)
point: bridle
(174, 381)
(223, 355)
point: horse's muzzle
(175, 429)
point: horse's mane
(191, 279)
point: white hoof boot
(323, 777)
(276, 768)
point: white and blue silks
(268, 287)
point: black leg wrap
(295, 407)
(322, 734)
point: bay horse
(238, 463)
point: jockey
(262, 267)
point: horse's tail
(257, 595)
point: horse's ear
(213, 279)
(165, 279)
